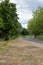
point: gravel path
(34, 41)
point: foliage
(9, 24)
(24, 32)
(35, 26)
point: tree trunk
(35, 35)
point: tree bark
(35, 35)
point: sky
(25, 8)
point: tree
(9, 16)
(35, 26)
(1, 27)
(24, 32)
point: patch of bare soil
(19, 52)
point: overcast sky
(25, 8)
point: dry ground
(20, 52)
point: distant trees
(9, 25)
(35, 25)
(24, 32)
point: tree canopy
(35, 25)
(24, 32)
(9, 25)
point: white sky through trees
(25, 8)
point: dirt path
(20, 52)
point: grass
(18, 52)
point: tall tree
(35, 25)
(9, 16)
